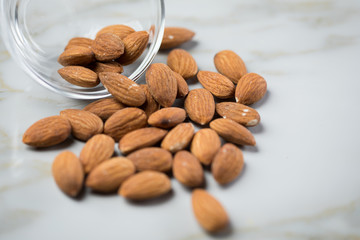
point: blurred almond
(219, 85)
(119, 29)
(79, 55)
(151, 105)
(200, 106)
(250, 89)
(175, 36)
(79, 42)
(187, 169)
(99, 67)
(79, 76)
(104, 108)
(107, 47)
(229, 64)
(167, 117)
(182, 62)
(240, 113)
(182, 86)
(205, 144)
(152, 158)
(178, 138)
(135, 44)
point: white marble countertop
(302, 181)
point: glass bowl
(36, 31)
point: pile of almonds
(155, 138)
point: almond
(233, 132)
(123, 89)
(124, 121)
(107, 47)
(187, 169)
(68, 173)
(135, 44)
(250, 89)
(79, 42)
(178, 138)
(140, 138)
(145, 185)
(104, 108)
(99, 67)
(162, 84)
(47, 132)
(229, 64)
(167, 117)
(150, 106)
(96, 150)
(77, 56)
(210, 214)
(152, 158)
(84, 124)
(219, 85)
(119, 29)
(205, 144)
(200, 106)
(108, 175)
(182, 86)
(79, 76)
(182, 62)
(175, 36)
(240, 113)
(228, 164)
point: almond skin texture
(162, 84)
(104, 108)
(152, 158)
(68, 173)
(84, 124)
(79, 76)
(79, 42)
(178, 138)
(229, 64)
(82, 56)
(205, 145)
(208, 211)
(219, 85)
(240, 113)
(98, 149)
(175, 36)
(145, 185)
(140, 138)
(182, 62)
(107, 47)
(124, 121)
(115, 67)
(47, 132)
(182, 86)
(150, 106)
(108, 176)
(228, 164)
(119, 29)
(123, 89)
(187, 169)
(233, 132)
(250, 89)
(167, 117)
(200, 106)
(135, 44)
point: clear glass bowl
(36, 31)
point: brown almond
(96, 150)
(152, 158)
(178, 138)
(140, 138)
(182, 86)
(123, 89)
(119, 29)
(208, 211)
(151, 105)
(145, 185)
(233, 132)
(240, 113)
(228, 164)
(124, 121)
(79, 55)
(250, 89)
(162, 84)
(108, 176)
(135, 44)
(167, 117)
(115, 67)
(68, 173)
(229, 64)
(187, 169)
(200, 106)
(84, 124)
(47, 132)
(104, 108)
(205, 144)
(219, 85)
(182, 62)
(79, 42)
(107, 47)
(79, 76)
(175, 36)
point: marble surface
(301, 181)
